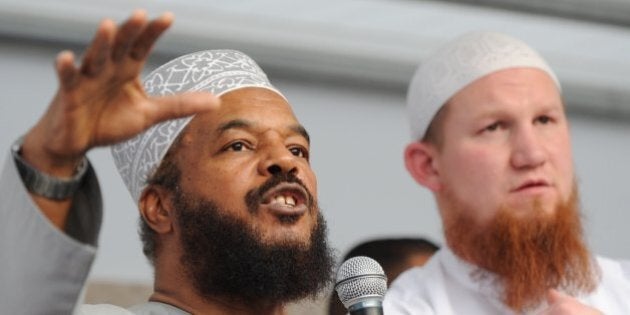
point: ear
(156, 209)
(421, 163)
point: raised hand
(102, 101)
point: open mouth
(287, 199)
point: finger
(182, 105)
(149, 36)
(98, 52)
(127, 34)
(66, 71)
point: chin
(542, 203)
(285, 235)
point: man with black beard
(224, 256)
(212, 154)
(491, 142)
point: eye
(299, 152)
(237, 146)
(492, 127)
(543, 120)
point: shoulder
(611, 295)
(410, 292)
(614, 268)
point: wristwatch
(45, 185)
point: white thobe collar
(476, 279)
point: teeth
(285, 200)
(290, 201)
(281, 200)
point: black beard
(223, 256)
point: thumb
(555, 296)
(182, 105)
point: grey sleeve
(43, 269)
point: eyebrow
(302, 131)
(245, 124)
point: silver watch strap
(45, 185)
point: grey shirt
(43, 269)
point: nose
(527, 149)
(277, 159)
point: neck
(194, 304)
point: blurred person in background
(395, 255)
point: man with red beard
(212, 154)
(492, 144)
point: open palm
(102, 101)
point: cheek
(475, 180)
(310, 180)
(239, 179)
(475, 167)
(219, 182)
(563, 162)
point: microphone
(361, 286)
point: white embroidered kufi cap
(215, 71)
(457, 64)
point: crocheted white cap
(215, 71)
(457, 64)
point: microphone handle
(373, 310)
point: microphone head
(358, 279)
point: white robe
(446, 285)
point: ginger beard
(528, 254)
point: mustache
(254, 197)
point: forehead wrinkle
(234, 124)
(246, 124)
